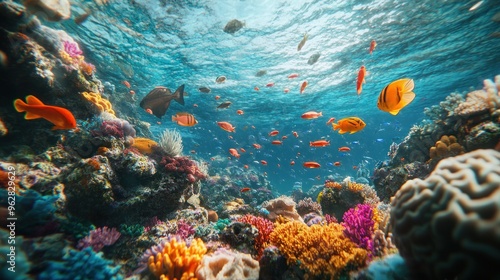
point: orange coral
(87, 68)
(334, 185)
(322, 250)
(144, 145)
(447, 146)
(102, 104)
(355, 187)
(177, 261)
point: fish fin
(179, 95)
(405, 100)
(408, 86)
(19, 105)
(31, 116)
(394, 112)
(342, 131)
(32, 100)
(352, 132)
(174, 118)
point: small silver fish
(303, 42)
(220, 79)
(313, 58)
(261, 73)
(204, 89)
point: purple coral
(117, 128)
(313, 218)
(359, 225)
(99, 238)
(184, 230)
(72, 49)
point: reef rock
(53, 10)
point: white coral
(171, 142)
(225, 264)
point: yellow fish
(351, 124)
(396, 96)
(144, 145)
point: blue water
(442, 45)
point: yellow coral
(144, 145)
(445, 147)
(177, 261)
(355, 187)
(322, 250)
(102, 104)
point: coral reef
(226, 264)
(102, 104)
(359, 224)
(264, 226)
(321, 250)
(240, 236)
(307, 205)
(447, 146)
(99, 238)
(337, 201)
(447, 225)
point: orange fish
(256, 146)
(292, 162)
(295, 134)
(245, 189)
(239, 112)
(127, 84)
(319, 143)
(330, 121)
(149, 111)
(226, 126)
(286, 90)
(256, 88)
(396, 96)
(303, 86)
(274, 133)
(234, 153)
(62, 118)
(217, 97)
(311, 164)
(373, 44)
(184, 119)
(361, 79)
(311, 115)
(245, 166)
(293, 76)
(269, 84)
(132, 92)
(263, 162)
(284, 137)
(276, 142)
(344, 149)
(351, 124)
(243, 150)
(337, 163)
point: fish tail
(174, 118)
(179, 95)
(19, 105)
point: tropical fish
(274, 133)
(351, 124)
(126, 83)
(313, 58)
(217, 97)
(330, 121)
(204, 89)
(234, 153)
(337, 163)
(284, 137)
(373, 44)
(319, 143)
(62, 118)
(159, 99)
(132, 92)
(245, 166)
(243, 150)
(149, 111)
(361, 79)
(303, 87)
(226, 126)
(293, 76)
(311, 115)
(263, 162)
(257, 146)
(233, 26)
(144, 145)
(184, 119)
(303, 42)
(220, 79)
(246, 189)
(311, 164)
(292, 163)
(276, 142)
(239, 112)
(344, 149)
(261, 73)
(295, 134)
(224, 105)
(270, 84)
(396, 96)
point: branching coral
(264, 226)
(321, 250)
(101, 103)
(446, 226)
(176, 260)
(99, 238)
(359, 223)
(171, 142)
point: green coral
(221, 224)
(132, 230)
(75, 227)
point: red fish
(257, 146)
(303, 87)
(245, 189)
(127, 84)
(311, 164)
(217, 97)
(311, 115)
(274, 133)
(245, 166)
(292, 163)
(149, 111)
(373, 44)
(234, 153)
(284, 137)
(226, 126)
(361, 79)
(295, 134)
(62, 118)
(276, 142)
(239, 112)
(319, 143)
(286, 90)
(132, 92)
(293, 76)
(256, 88)
(269, 84)
(344, 149)
(337, 163)
(243, 150)
(263, 162)
(330, 121)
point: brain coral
(447, 226)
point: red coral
(264, 226)
(183, 165)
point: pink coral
(99, 238)
(184, 230)
(183, 165)
(72, 49)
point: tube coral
(264, 226)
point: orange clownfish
(311, 115)
(274, 133)
(351, 124)
(344, 149)
(62, 118)
(184, 119)
(361, 79)
(226, 126)
(245, 189)
(234, 153)
(396, 96)
(311, 164)
(319, 143)
(303, 86)
(373, 44)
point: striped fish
(396, 96)
(184, 119)
(351, 124)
